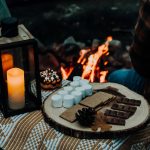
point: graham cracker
(69, 114)
(96, 99)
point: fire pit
(96, 62)
(91, 60)
(53, 21)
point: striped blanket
(29, 131)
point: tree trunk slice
(135, 122)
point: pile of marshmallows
(72, 94)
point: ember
(91, 60)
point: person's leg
(129, 78)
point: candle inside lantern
(16, 88)
(7, 62)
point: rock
(81, 45)
(70, 40)
(114, 45)
(69, 53)
(71, 10)
(95, 43)
(126, 60)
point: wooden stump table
(135, 122)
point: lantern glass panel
(21, 92)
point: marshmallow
(75, 84)
(76, 78)
(56, 101)
(82, 90)
(88, 90)
(62, 93)
(77, 96)
(68, 89)
(68, 101)
(84, 82)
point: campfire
(93, 62)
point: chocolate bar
(118, 114)
(125, 108)
(113, 91)
(116, 121)
(128, 101)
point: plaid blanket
(29, 131)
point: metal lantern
(19, 74)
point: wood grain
(135, 122)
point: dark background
(53, 21)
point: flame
(103, 76)
(66, 72)
(91, 69)
(109, 38)
(82, 54)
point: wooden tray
(138, 120)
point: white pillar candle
(88, 90)
(62, 93)
(56, 101)
(68, 89)
(68, 101)
(16, 88)
(84, 82)
(75, 84)
(77, 96)
(80, 89)
(76, 78)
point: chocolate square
(128, 101)
(118, 114)
(116, 121)
(125, 108)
